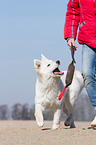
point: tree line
(83, 111)
(21, 112)
(17, 112)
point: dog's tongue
(59, 73)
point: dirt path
(28, 133)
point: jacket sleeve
(72, 19)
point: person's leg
(89, 73)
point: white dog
(50, 83)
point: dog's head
(46, 67)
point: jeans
(89, 72)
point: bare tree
(25, 112)
(4, 112)
(17, 111)
(31, 113)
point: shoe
(93, 123)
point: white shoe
(93, 123)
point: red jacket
(82, 13)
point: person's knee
(87, 78)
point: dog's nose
(58, 62)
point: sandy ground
(28, 133)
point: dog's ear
(37, 64)
(43, 57)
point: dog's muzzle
(57, 71)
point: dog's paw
(55, 126)
(68, 121)
(72, 125)
(66, 124)
(40, 124)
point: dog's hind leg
(68, 109)
(56, 120)
(70, 121)
(39, 115)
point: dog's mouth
(57, 71)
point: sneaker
(93, 123)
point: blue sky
(27, 29)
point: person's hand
(71, 40)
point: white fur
(48, 88)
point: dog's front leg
(39, 115)
(56, 120)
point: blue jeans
(89, 72)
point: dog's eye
(48, 65)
